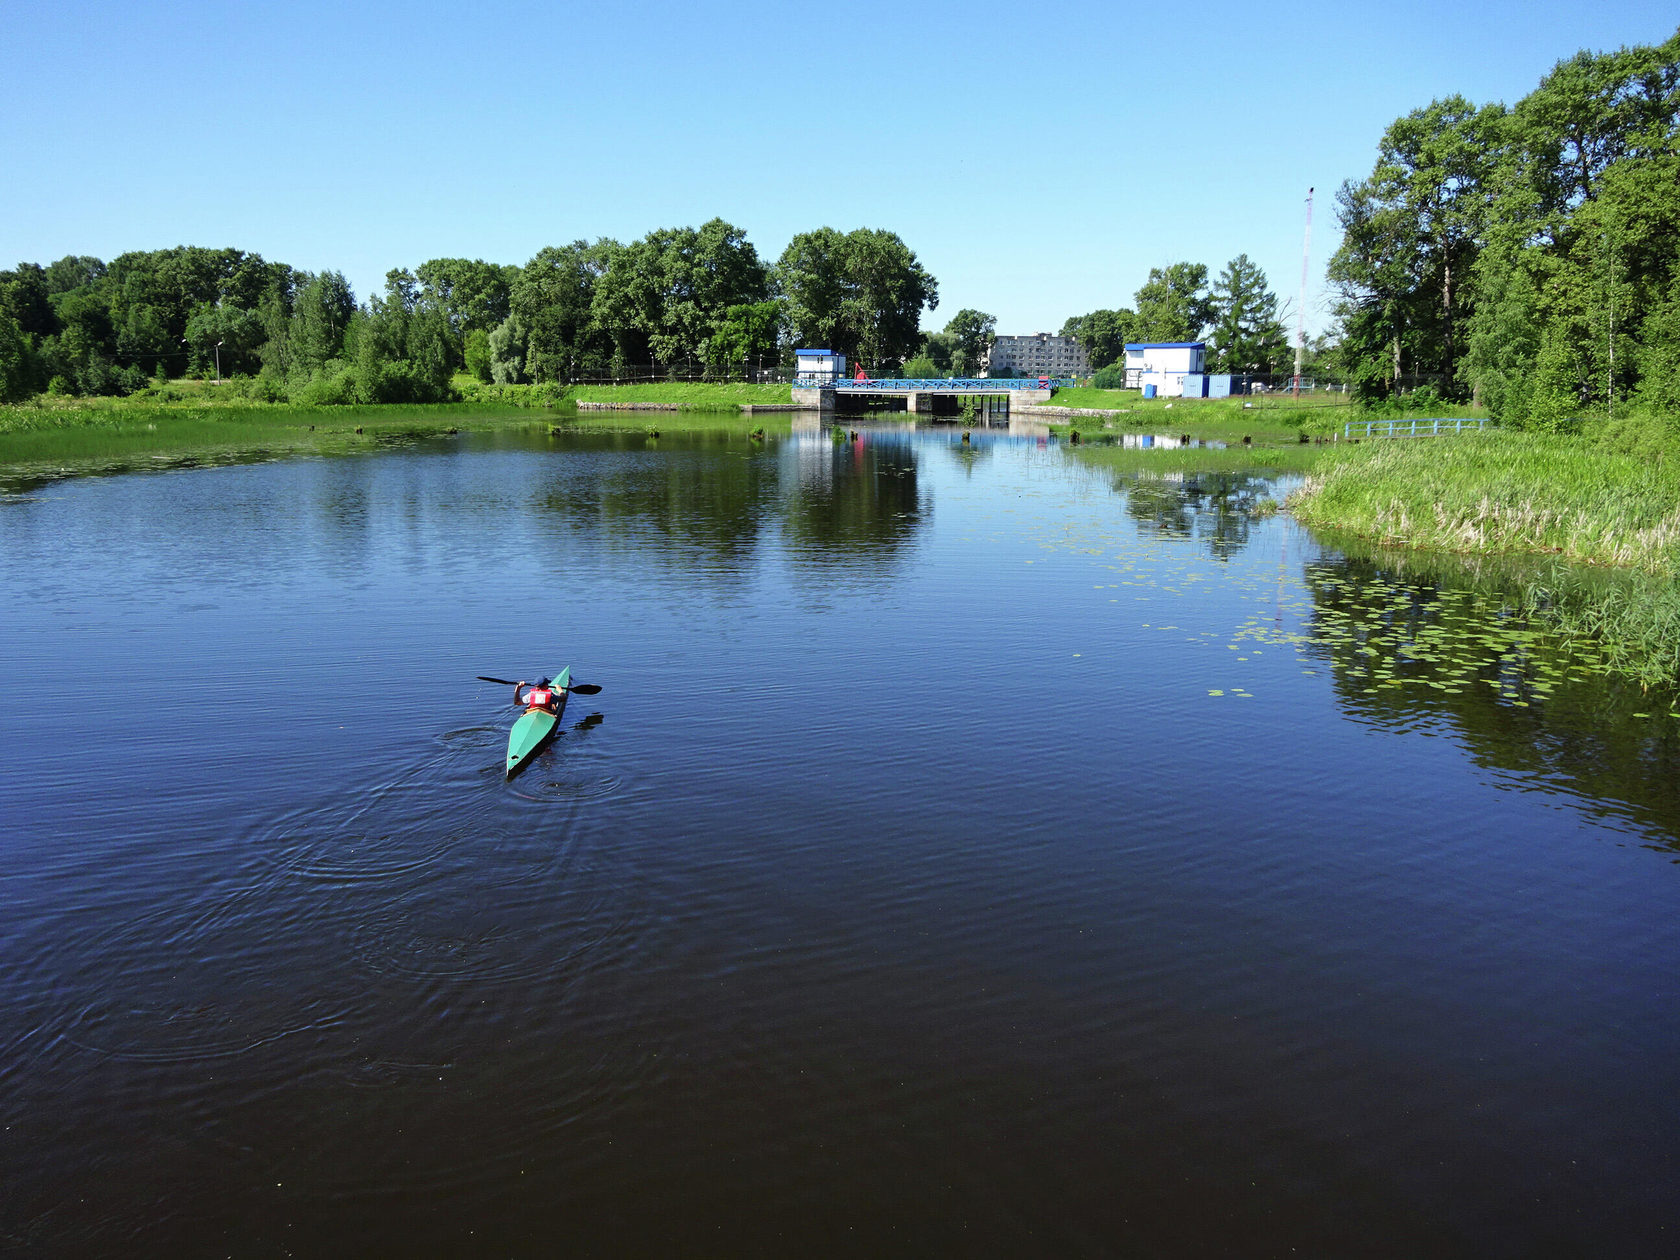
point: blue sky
(1039, 158)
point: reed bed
(1502, 492)
(1608, 520)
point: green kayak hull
(533, 729)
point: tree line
(1528, 256)
(691, 298)
(1238, 316)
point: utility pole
(1301, 314)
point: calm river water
(976, 851)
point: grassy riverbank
(1276, 457)
(39, 442)
(1311, 413)
(1264, 419)
(687, 395)
(1574, 506)
(1503, 492)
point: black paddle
(582, 689)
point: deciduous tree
(973, 333)
(1173, 304)
(1103, 333)
(1411, 233)
(861, 293)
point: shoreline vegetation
(1583, 529)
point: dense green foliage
(860, 293)
(1238, 313)
(1103, 333)
(1173, 304)
(680, 301)
(960, 350)
(1529, 255)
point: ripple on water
(341, 842)
(566, 783)
(390, 1073)
(437, 945)
(350, 857)
(473, 737)
(176, 1032)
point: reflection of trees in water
(968, 455)
(1410, 649)
(715, 495)
(1215, 507)
(698, 490)
(853, 495)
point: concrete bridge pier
(912, 402)
(816, 399)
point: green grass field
(51, 441)
(689, 395)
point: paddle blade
(585, 689)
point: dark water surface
(979, 852)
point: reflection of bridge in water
(919, 394)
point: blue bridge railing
(975, 384)
(1408, 428)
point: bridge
(826, 392)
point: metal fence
(1408, 428)
(918, 384)
(680, 373)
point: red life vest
(539, 697)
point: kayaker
(541, 695)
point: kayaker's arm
(516, 687)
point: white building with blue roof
(1165, 365)
(820, 365)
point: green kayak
(534, 727)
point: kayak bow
(535, 726)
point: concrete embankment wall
(1069, 413)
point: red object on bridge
(861, 374)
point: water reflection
(1419, 645)
(1216, 508)
(1175, 441)
(701, 490)
(719, 495)
(852, 491)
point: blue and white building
(822, 366)
(1166, 365)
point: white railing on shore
(1409, 428)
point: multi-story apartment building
(1041, 354)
